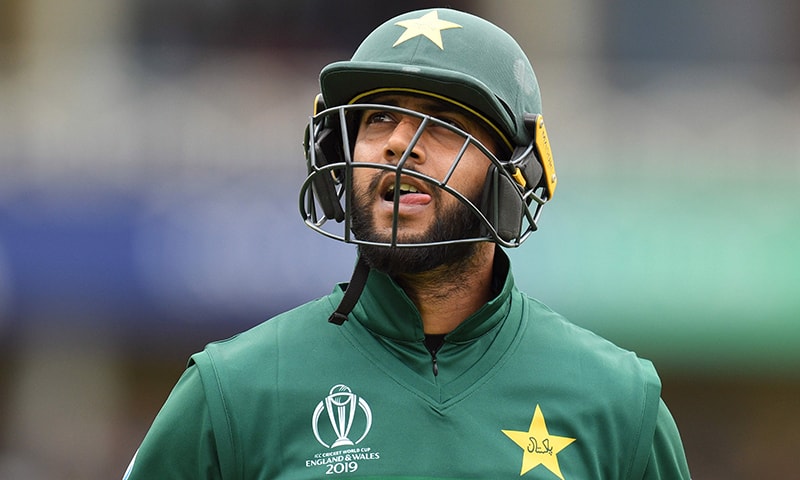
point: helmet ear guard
(507, 196)
(322, 148)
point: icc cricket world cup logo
(345, 410)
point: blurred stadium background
(150, 160)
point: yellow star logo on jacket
(428, 26)
(538, 446)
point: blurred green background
(150, 160)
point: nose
(406, 132)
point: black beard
(452, 223)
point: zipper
(433, 343)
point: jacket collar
(385, 309)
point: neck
(448, 294)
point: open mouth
(407, 194)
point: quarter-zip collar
(385, 309)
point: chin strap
(351, 294)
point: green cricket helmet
(455, 57)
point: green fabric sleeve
(180, 444)
(667, 458)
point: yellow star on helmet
(427, 25)
(539, 447)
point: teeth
(405, 188)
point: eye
(377, 117)
(452, 121)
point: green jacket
(520, 392)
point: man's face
(426, 213)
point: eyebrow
(427, 106)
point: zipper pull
(433, 343)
